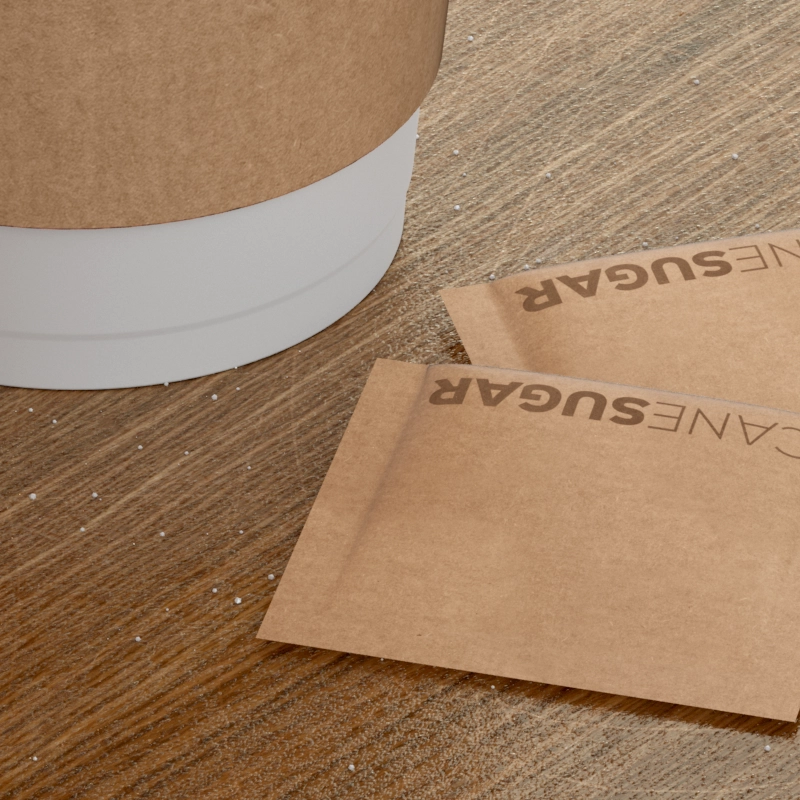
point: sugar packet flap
(717, 319)
(560, 530)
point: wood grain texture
(601, 96)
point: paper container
(193, 185)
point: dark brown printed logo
(629, 277)
(594, 405)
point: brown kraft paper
(552, 529)
(717, 318)
(118, 113)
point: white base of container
(120, 307)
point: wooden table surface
(602, 98)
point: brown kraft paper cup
(121, 113)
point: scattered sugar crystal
(270, 577)
(455, 152)
(351, 767)
(35, 758)
(138, 639)
(32, 495)
(735, 156)
(213, 397)
(696, 82)
(94, 494)
(139, 448)
(527, 266)
(162, 534)
(166, 383)
(767, 748)
(537, 261)
(241, 531)
(470, 38)
(237, 600)
(492, 277)
(30, 409)
(83, 530)
(548, 175)
(644, 244)
(456, 208)
(55, 420)
(186, 452)
(214, 590)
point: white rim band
(117, 307)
